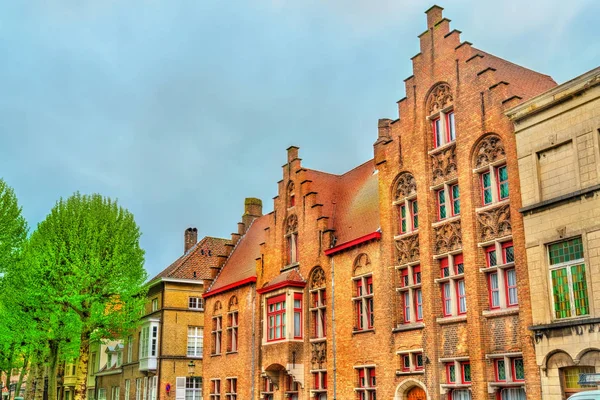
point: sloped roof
(292, 276)
(351, 200)
(241, 264)
(198, 259)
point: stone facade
(559, 165)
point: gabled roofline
(175, 280)
(355, 242)
(233, 285)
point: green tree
(87, 253)
(13, 228)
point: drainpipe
(333, 328)
(253, 346)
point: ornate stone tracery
(439, 98)
(447, 237)
(494, 223)
(490, 149)
(217, 308)
(443, 165)
(360, 264)
(317, 279)
(291, 224)
(319, 355)
(233, 302)
(406, 186)
(407, 249)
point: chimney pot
(190, 238)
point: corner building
(558, 143)
(404, 278)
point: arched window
(318, 304)
(291, 195)
(490, 165)
(291, 239)
(405, 201)
(440, 113)
(232, 325)
(217, 328)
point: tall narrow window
(494, 290)
(462, 296)
(217, 334)
(318, 303)
(502, 178)
(402, 212)
(454, 301)
(511, 287)
(569, 284)
(486, 187)
(494, 184)
(231, 393)
(414, 214)
(450, 126)
(215, 389)
(419, 304)
(455, 199)
(291, 238)
(232, 331)
(363, 302)
(367, 384)
(441, 201)
(195, 341)
(437, 132)
(410, 293)
(297, 315)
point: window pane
(519, 369)
(452, 373)
(560, 293)
(415, 211)
(467, 372)
(451, 133)
(501, 370)
(579, 289)
(297, 326)
(503, 181)
(568, 250)
(455, 200)
(494, 290)
(509, 254)
(441, 204)
(511, 278)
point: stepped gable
(241, 264)
(203, 256)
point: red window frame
(361, 378)
(444, 264)
(406, 306)
(462, 371)
(436, 125)
(508, 287)
(417, 366)
(499, 183)
(404, 278)
(447, 312)
(405, 360)
(458, 259)
(370, 303)
(491, 290)
(416, 270)
(448, 367)
(484, 188)
(449, 137)
(402, 219)
(459, 297)
(268, 385)
(452, 199)
(298, 296)
(513, 369)
(442, 193)
(414, 216)
(505, 246)
(497, 370)
(418, 304)
(277, 329)
(488, 251)
(372, 378)
(292, 200)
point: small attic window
(291, 195)
(202, 252)
(194, 274)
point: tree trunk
(52, 369)
(61, 380)
(39, 382)
(30, 389)
(82, 366)
(22, 376)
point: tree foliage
(13, 227)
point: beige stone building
(557, 136)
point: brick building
(403, 278)
(558, 148)
(163, 359)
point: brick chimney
(190, 238)
(252, 210)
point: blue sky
(182, 108)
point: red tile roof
(241, 264)
(287, 278)
(199, 259)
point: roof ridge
(229, 256)
(513, 63)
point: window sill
(502, 312)
(406, 234)
(405, 288)
(408, 327)
(279, 341)
(415, 372)
(195, 357)
(446, 221)
(492, 206)
(447, 278)
(441, 148)
(290, 266)
(216, 355)
(231, 352)
(356, 331)
(195, 309)
(496, 267)
(317, 340)
(451, 320)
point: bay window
(297, 315)
(284, 317)
(148, 345)
(276, 318)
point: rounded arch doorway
(416, 393)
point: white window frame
(369, 388)
(129, 348)
(444, 129)
(232, 331)
(127, 388)
(500, 269)
(196, 303)
(231, 393)
(318, 313)
(193, 388)
(195, 341)
(215, 389)
(217, 334)
(411, 288)
(366, 301)
(453, 280)
(412, 355)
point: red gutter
(352, 243)
(233, 285)
(280, 285)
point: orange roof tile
(242, 261)
(199, 259)
(291, 276)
